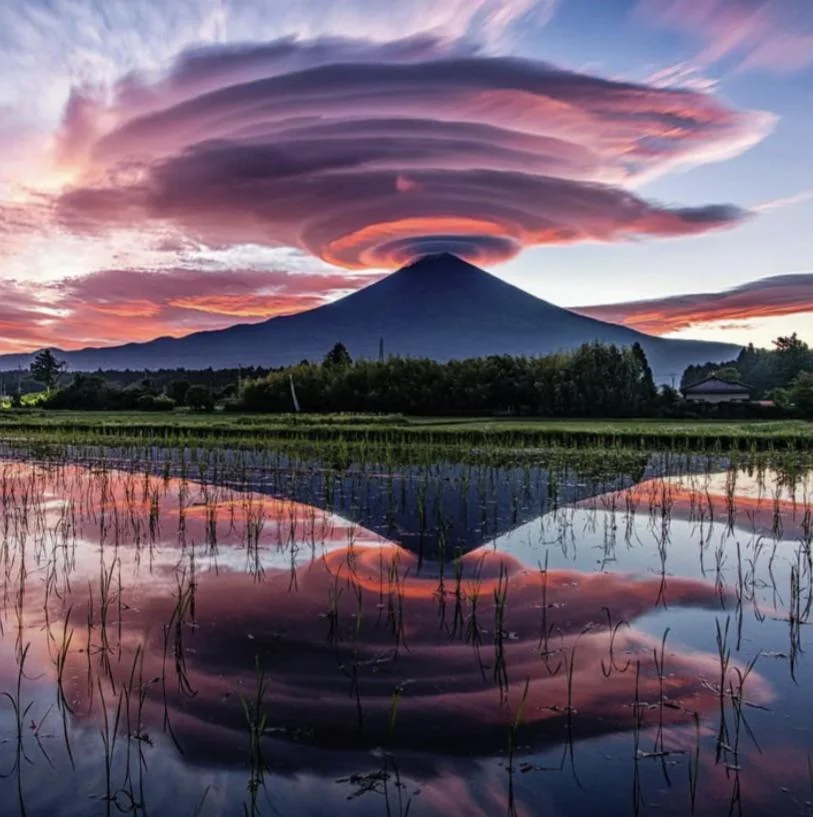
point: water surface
(422, 641)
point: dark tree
(649, 392)
(177, 390)
(801, 393)
(338, 356)
(730, 374)
(789, 344)
(88, 392)
(228, 391)
(199, 397)
(764, 370)
(45, 368)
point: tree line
(92, 392)
(47, 372)
(111, 390)
(596, 380)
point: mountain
(439, 307)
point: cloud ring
(369, 163)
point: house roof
(716, 385)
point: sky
(171, 167)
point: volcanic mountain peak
(439, 307)
(445, 264)
(443, 286)
(439, 259)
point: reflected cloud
(356, 647)
(762, 503)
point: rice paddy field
(340, 616)
(247, 430)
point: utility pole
(381, 350)
(293, 394)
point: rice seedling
(256, 717)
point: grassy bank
(253, 429)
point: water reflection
(762, 503)
(168, 624)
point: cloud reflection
(357, 649)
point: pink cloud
(367, 155)
(767, 297)
(765, 34)
(114, 306)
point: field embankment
(251, 429)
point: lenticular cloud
(368, 155)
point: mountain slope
(439, 307)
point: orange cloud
(393, 243)
(132, 309)
(248, 306)
(766, 297)
(114, 306)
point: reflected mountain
(455, 510)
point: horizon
(165, 174)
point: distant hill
(439, 307)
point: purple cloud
(769, 34)
(767, 297)
(367, 155)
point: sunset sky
(173, 166)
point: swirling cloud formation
(368, 155)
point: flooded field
(182, 637)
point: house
(717, 390)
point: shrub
(200, 398)
(233, 404)
(177, 390)
(149, 402)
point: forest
(595, 380)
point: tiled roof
(714, 385)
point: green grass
(711, 428)
(181, 427)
